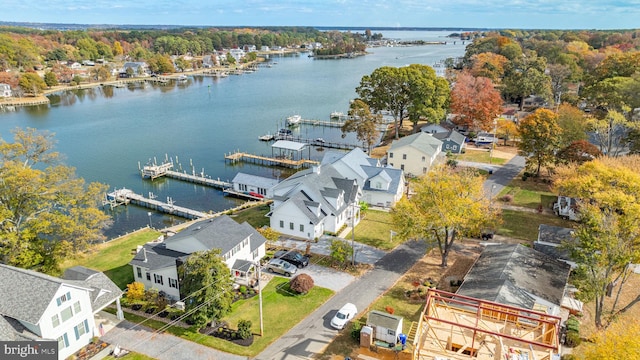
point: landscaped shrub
(244, 329)
(135, 291)
(507, 198)
(355, 330)
(573, 339)
(301, 284)
(242, 289)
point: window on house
(139, 272)
(424, 159)
(424, 170)
(391, 332)
(149, 276)
(454, 147)
(301, 227)
(290, 226)
(281, 223)
(66, 314)
(81, 329)
(157, 279)
(404, 156)
(402, 167)
(76, 307)
(378, 185)
(63, 341)
(63, 298)
(391, 155)
(173, 283)
(55, 320)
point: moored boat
(293, 120)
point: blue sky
(525, 14)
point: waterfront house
(264, 48)
(241, 247)
(516, 275)
(237, 54)
(414, 154)
(325, 198)
(138, 68)
(257, 186)
(36, 306)
(209, 61)
(5, 90)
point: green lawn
(281, 311)
(375, 229)
(113, 257)
(479, 156)
(524, 225)
(530, 193)
(254, 216)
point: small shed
(386, 327)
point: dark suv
(292, 257)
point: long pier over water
(155, 171)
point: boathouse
(253, 184)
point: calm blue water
(106, 132)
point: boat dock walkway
(125, 196)
(317, 142)
(265, 160)
(155, 171)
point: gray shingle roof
(395, 175)
(423, 142)
(259, 181)
(452, 135)
(104, 291)
(379, 318)
(523, 267)
(550, 239)
(222, 233)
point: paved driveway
(314, 333)
(143, 340)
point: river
(106, 132)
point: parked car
(292, 257)
(346, 313)
(281, 267)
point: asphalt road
(503, 175)
(314, 333)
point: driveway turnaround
(314, 333)
(162, 346)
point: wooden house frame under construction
(456, 327)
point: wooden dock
(315, 142)
(155, 171)
(125, 196)
(270, 161)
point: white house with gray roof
(247, 183)
(5, 90)
(36, 306)
(241, 246)
(414, 154)
(325, 198)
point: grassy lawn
(113, 257)
(530, 193)
(374, 229)
(254, 216)
(524, 225)
(479, 156)
(276, 302)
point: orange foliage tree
(475, 102)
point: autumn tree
(50, 79)
(618, 341)
(363, 123)
(573, 123)
(610, 132)
(206, 287)
(32, 83)
(607, 238)
(539, 139)
(578, 152)
(506, 129)
(488, 65)
(447, 204)
(47, 212)
(413, 92)
(524, 76)
(475, 102)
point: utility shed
(386, 327)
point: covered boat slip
(283, 153)
(456, 327)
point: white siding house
(241, 246)
(35, 306)
(5, 90)
(414, 154)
